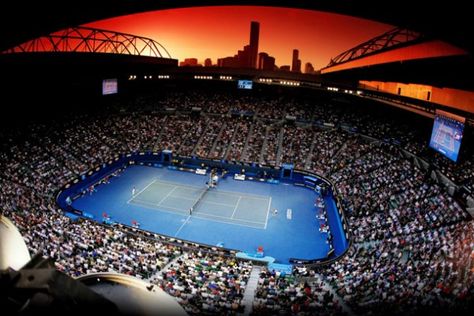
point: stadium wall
(454, 98)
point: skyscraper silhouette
(266, 62)
(254, 35)
(248, 57)
(296, 62)
(207, 62)
(308, 68)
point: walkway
(249, 294)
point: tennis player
(215, 178)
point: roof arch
(450, 22)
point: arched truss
(389, 40)
(91, 40)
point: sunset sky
(215, 32)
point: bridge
(392, 39)
(90, 40)
(398, 44)
(399, 54)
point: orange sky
(220, 31)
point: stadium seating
(413, 242)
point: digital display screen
(109, 86)
(447, 134)
(244, 84)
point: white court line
(234, 219)
(268, 211)
(196, 215)
(144, 203)
(250, 196)
(217, 203)
(207, 202)
(235, 208)
(154, 207)
(183, 197)
(187, 219)
(174, 208)
(140, 191)
(181, 185)
(231, 222)
(166, 196)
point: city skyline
(216, 32)
(247, 58)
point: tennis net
(191, 210)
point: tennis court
(236, 214)
(445, 137)
(227, 207)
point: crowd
(412, 241)
(279, 294)
(81, 247)
(428, 272)
(206, 284)
(253, 151)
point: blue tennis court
(237, 214)
(445, 137)
(226, 207)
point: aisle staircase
(231, 142)
(157, 144)
(264, 146)
(203, 134)
(309, 158)
(246, 145)
(280, 146)
(216, 140)
(249, 294)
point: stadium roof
(452, 22)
